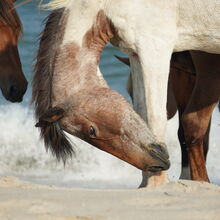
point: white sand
(185, 200)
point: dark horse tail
(54, 137)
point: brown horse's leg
(196, 129)
(206, 141)
(183, 81)
(185, 171)
(196, 118)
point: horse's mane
(9, 16)
(56, 4)
(54, 137)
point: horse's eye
(92, 132)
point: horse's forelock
(57, 142)
(9, 16)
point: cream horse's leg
(149, 80)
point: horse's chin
(154, 169)
(11, 98)
(14, 100)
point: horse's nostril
(161, 156)
(158, 151)
(13, 91)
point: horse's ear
(51, 116)
(124, 60)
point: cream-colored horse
(149, 31)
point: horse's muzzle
(16, 93)
(160, 155)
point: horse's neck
(198, 25)
(75, 69)
(76, 65)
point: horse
(70, 95)
(195, 116)
(13, 83)
(149, 40)
(194, 103)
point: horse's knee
(194, 131)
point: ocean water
(22, 153)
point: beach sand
(185, 200)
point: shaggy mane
(56, 4)
(54, 137)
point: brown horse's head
(70, 95)
(12, 81)
(103, 118)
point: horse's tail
(54, 137)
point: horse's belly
(207, 44)
(199, 26)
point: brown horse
(192, 90)
(195, 114)
(70, 95)
(12, 80)
(182, 80)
